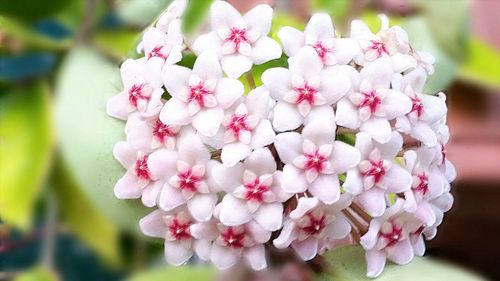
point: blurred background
(59, 62)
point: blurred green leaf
(26, 142)
(281, 20)
(186, 273)
(29, 37)
(448, 22)
(482, 65)
(87, 135)
(336, 8)
(140, 12)
(195, 14)
(118, 43)
(83, 219)
(348, 263)
(32, 10)
(445, 67)
(36, 274)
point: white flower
(319, 34)
(150, 134)
(388, 42)
(377, 174)
(167, 48)
(174, 227)
(372, 107)
(426, 110)
(142, 90)
(303, 89)
(388, 237)
(253, 191)
(187, 176)
(312, 224)
(240, 41)
(245, 127)
(139, 181)
(313, 160)
(173, 12)
(199, 96)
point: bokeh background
(59, 62)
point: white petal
(292, 40)
(176, 253)
(222, 257)
(379, 73)
(235, 65)
(340, 227)
(286, 117)
(202, 249)
(319, 27)
(210, 41)
(402, 253)
(118, 106)
(152, 224)
(259, 19)
(162, 163)
(201, 206)
(175, 112)
(278, 81)
(344, 157)
(128, 187)
(263, 135)
(175, 78)
(306, 249)
(345, 49)
(256, 257)
(326, 188)
(234, 211)
(306, 63)
(151, 193)
(270, 216)
(125, 154)
(170, 198)
(208, 121)
(334, 87)
(265, 49)
(193, 151)
(294, 180)
(378, 128)
(261, 162)
(319, 132)
(232, 153)
(395, 104)
(373, 201)
(207, 66)
(228, 177)
(375, 262)
(397, 179)
(288, 146)
(354, 182)
(347, 115)
(223, 15)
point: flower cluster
(339, 146)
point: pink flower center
(315, 225)
(237, 36)
(157, 52)
(162, 131)
(419, 230)
(379, 47)
(305, 93)
(255, 190)
(179, 230)
(371, 100)
(423, 185)
(377, 170)
(197, 94)
(136, 93)
(188, 181)
(417, 106)
(321, 50)
(232, 238)
(314, 161)
(142, 169)
(237, 124)
(392, 236)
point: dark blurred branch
(85, 29)
(50, 233)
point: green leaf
(196, 12)
(186, 273)
(449, 24)
(118, 44)
(348, 263)
(281, 20)
(446, 68)
(87, 135)
(26, 142)
(32, 10)
(140, 12)
(36, 274)
(83, 219)
(482, 65)
(30, 38)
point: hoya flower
(391, 42)
(253, 191)
(232, 243)
(142, 90)
(138, 181)
(187, 178)
(377, 175)
(165, 47)
(303, 89)
(240, 41)
(245, 127)
(319, 34)
(174, 227)
(388, 237)
(150, 134)
(312, 224)
(171, 14)
(372, 106)
(199, 96)
(428, 183)
(313, 160)
(425, 112)
(441, 160)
